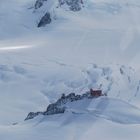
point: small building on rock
(95, 93)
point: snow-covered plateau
(54, 47)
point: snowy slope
(80, 124)
(38, 65)
(117, 35)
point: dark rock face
(46, 19)
(39, 3)
(59, 106)
(31, 115)
(69, 98)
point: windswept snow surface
(87, 120)
(96, 47)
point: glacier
(94, 47)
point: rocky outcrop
(31, 115)
(59, 106)
(74, 5)
(54, 109)
(39, 3)
(46, 19)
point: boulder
(74, 5)
(54, 109)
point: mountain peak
(50, 6)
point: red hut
(95, 93)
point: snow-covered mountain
(48, 8)
(95, 46)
